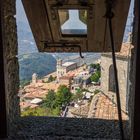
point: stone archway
(111, 82)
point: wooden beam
(136, 131)
(3, 118)
(45, 24)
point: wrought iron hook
(61, 45)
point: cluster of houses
(75, 77)
(72, 75)
(67, 73)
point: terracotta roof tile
(106, 109)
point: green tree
(56, 111)
(78, 94)
(93, 66)
(63, 95)
(49, 101)
(96, 66)
(51, 78)
(78, 90)
(34, 112)
(97, 91)
(96, 76)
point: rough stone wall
(131, 94)
(133, 71)
(122, 65)
(49, 128)
(10, 60)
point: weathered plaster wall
(10, 60)
(131, 94)
(122, 65)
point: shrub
(34, 112)
(96, 91)
(96, 76)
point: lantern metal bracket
(47, 16)
(63, 45)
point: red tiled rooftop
(106, 109)
(24, 105)
(65, 77)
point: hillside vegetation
(40, 63)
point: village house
(64, 68)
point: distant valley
(40, 63)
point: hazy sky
(20, 12)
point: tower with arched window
(107, 74)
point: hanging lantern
(75, 25)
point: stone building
(107, 74)
(34, 78)
(79, 82)
(65, 80)
(55, 128)
(63, 68)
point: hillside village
(58, 81)
(68, 74)
(88, 97)
(83, 91)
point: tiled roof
(67, 64)
(101, 107)
(40, 90)
(104, 108)
(81, 110)
(65, 77)
(24, 105)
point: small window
(73, 22)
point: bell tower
(59, 67)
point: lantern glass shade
(73, 22)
